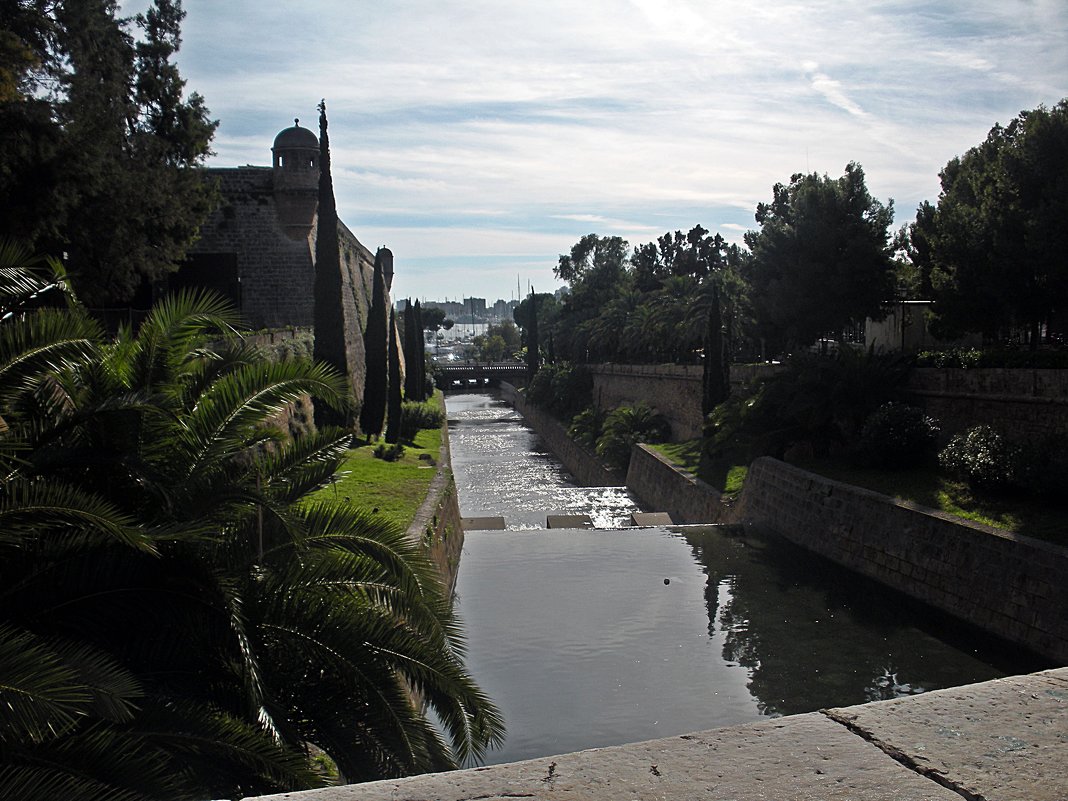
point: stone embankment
(1004, 740)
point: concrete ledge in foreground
(1004, 740)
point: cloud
(477, 131)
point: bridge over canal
(456, 375)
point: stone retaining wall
(437, 523)
(661, 487)
(1023, 404)
(583, 465)
(1013, 586)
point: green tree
(99, 151)
(393, 412)
(715, 377)
(165, 589)
(998, 238)
(376, 350)
(330, 346)
(533, 339)
(821, 258)
(413, 345)
(433, 319)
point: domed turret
(296, 179)
(296, 149)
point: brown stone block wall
(660, 487)
(1013, 586)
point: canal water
(588, 638)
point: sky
(480, 139)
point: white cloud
(538, 120)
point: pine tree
(376, 347)
(100, 150)
(329, 344)
(393, 418)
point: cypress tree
(376, 346)
(532, 338)
(329, 343)
(420, 355)
(715, 379)
(411, 354)
(393, 419)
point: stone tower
(296, 180)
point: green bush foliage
(1005, 357)
(985, 459)
(586, 427)
(896, 435)
(816, 401)
(626, 426)
(389, 453)
(562, 389)
(417, 416)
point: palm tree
(197, 624)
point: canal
(588, 638)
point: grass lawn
(724, 474)
(396, 489)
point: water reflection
(579, 638)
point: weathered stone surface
(657, 483)
(568, 521)
(802, 758)
(1011, 585)
(650, 519)
(1004, 740)
(483, 524)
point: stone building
(258, 247)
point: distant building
(906, 327)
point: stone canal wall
(437, 523)
(1013, 586)
(583, 465)
(660, 487)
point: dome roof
(296, 137)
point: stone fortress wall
(258, 246)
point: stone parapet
(1004, 739)
(660, 486)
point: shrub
(562, 389)
(416, 416)
(896, 435)
(625, 426)
(389, 453)
(586, 427)
(985, 459)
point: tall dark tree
(715, 379)
(821, 258)
(999, 237)
(413, 339)
(99, 150)
(533, 344)
(393, 411)
(376, 350)
(329, 344)
(420, 356)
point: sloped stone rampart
(1010, 585)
